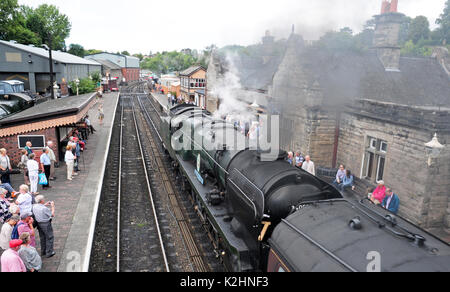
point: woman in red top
(378, 194)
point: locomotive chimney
(387, 35)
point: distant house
(30, 65)
(192, 79)
(167, 81)
(130, 66)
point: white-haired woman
(33, 173)
(5, 166)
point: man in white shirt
(308, 165)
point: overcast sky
(149, 25)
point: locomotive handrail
(248, 199)
(314, 242)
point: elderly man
(28, 148)
(46, 166)
(391, 202)
(52, 157)
(44, 217)
(290, 158)
(11, 261)
(308, 165)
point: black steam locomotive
(270, 216)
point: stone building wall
(312, 132)
(423, 189)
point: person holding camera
(44, 216)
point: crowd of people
(382, 195)
(25, 211)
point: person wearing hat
(10, 260)
(378, 194)
(26, 225)
(7, 229)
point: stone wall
(423, 189)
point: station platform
(76, 202)
(162, 100)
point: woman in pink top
(379, 194)
(26, 225)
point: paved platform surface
(162, 100)
(76, 202)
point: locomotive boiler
(269, 216)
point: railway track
(194, 230)
(142, 223)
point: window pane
(370, 164)
(381, 162)
(383, 146)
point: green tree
(140, 56)
(86, 85)
(125, 53)
(8, 9)
(419, 29)
(337, 41)
(444, 24)
(51, 27)
(13, 24)
(92, 52)
(77, 50)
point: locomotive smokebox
(256, 188)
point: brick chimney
(387, 35)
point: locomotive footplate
(237, 255)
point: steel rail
(188, 238)
(119, 189)
(150, 190)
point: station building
(129, 66)
(376, 112)
(53, 120)
(30, 65)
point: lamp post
(77, 82)
(50, 58)
(434, 148)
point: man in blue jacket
(391, 202)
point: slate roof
(349, 76)
(108, 64)
(61, 57)
(191, 70)
(50, 109)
